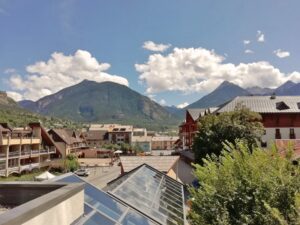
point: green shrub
(240, 187)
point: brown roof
(95, 135)
(68, 136)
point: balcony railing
(25, 152)
(35, 151)
(14, 154)
(2, 155)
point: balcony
(13, 169)
(34, 152)
(14, 154)
(25, 152)
(2, 155)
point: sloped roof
(66, 136)
(265, 104)
(196, 113)
(95, 134)
(161, 163)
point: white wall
(269, 137)
(62, 214)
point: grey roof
(161, 163)
(196, 113)
(265, 104)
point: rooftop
(265, 104)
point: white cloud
(182, 105)
(249, 51)
(163, 102)
(246, 42)
(15, 95)
(59, 72)
(200, 70)
(260, 36)
(150, 45)
(281, 54)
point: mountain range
(109, 102)
(105, 102)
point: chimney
(273, 96)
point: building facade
(163, 142)
(280, 116)
(24, 149)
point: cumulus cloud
(260, 36)
(281, 54)
(151, 46)
(15, 95)
(246, 42)
(59, 72)
(182, 105)
(249, 51)
(200, 70)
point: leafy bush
(71, 163)
(228, 126)
(240, 187)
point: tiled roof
(265, 104)
(161, 163)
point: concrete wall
(64, 213)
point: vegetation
(28, 176)
(216, 129)
(71, 163)
(246, 186)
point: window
(277, 134)
(292, 133)
(263, 144)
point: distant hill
(225, 92)
(12, 113)
(104, 102)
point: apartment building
(67, 141)
(163, 142)
(24, 148)
(121, 134)
(95, 138)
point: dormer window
(281, 106)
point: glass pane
(133, 218)
(97, 219)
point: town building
(189, 128)
(95, 138)
(164, 142)
(67, 141)
(24, 149)
(142, 142)
(280, 115)
(121, 134)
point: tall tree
(214, 130)
(246, 187)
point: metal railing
(25, 152)
(2, 155)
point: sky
(169, 50)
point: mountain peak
(227, 84)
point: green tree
(213, 130)
(244, 186)
(71, 163)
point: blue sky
(207, 37)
